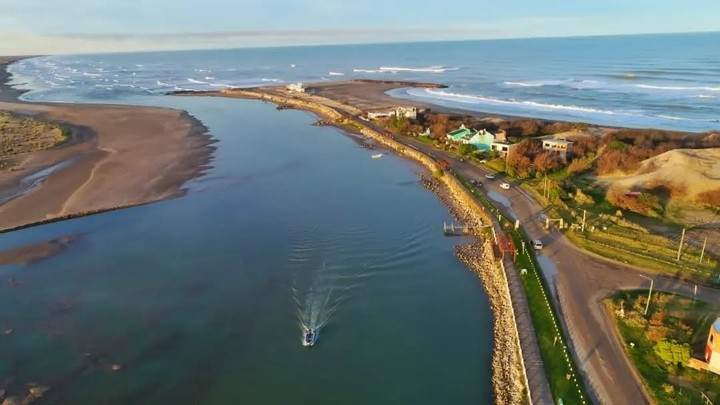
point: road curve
(580, 281)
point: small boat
(377, 156)
(309, 337)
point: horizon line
(397, 42)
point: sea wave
(191, 80)
(396, 69)
(680, 88)
(523, 84)
(479, 99)
(336, 74)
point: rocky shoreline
(478, 256)
(507, 374)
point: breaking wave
(396, 69)
(477, 99)
(681, 88)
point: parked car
(476, 183)
(505, 186)
(490, 176)
(536, 244)
(483, 161)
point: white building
(295, 88)
(559, 146)
(407, 112)
(373, 115)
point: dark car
(476, 183)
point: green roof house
(481, 139)
(461, 135)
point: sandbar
(119, 156)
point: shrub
(672, 352)
(579, 166)
(466, 149)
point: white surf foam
(478, 99)
(680, 88)
(191, 80)
(523, 84)
(396, 69)
(336, 74)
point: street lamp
(649, 293)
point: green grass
(425, 139)
(557, 362)
(625, 239)
(671, 317)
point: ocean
(669, 81)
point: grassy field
(624, 238)
(20, 135)
(559, 366)
(660, 344)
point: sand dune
(697, 170)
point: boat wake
(317, 303)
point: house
(502, 148)
(483, 140)
(712, 349)
(559, 146)
(461, 135)
(373, 115)
(295, 88)
(407, 112)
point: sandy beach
(118, 156)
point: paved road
(581, 281)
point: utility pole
(649, 293)
(582, 229)
(682, 239)
(703, 250)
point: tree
(546, 162)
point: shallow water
(200, 299)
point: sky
(91, 26)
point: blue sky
(70, 26)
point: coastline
(117, 157)
(507, 384)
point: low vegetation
(20, 135)
(660, 344)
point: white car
(536, 244)
(490, 176)
(505, 186)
